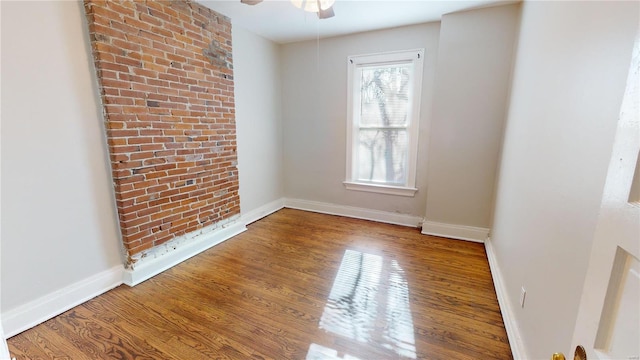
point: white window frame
(414, 57)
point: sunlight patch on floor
(369, 303)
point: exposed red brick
(166, 78)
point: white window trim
(416, 57)
(380, 188)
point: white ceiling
(280, 21)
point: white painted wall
(58, 214)
(315, 115)
(569, 78)
(470, 103)
(256, 63)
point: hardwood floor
(296, 285)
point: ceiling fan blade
(251, 2)
(326, 13)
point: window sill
(381, 189)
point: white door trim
(4, 349)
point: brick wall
(166, 79)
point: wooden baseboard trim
(40, 310)
(353, 212)
(458, 232)
(511, 325)
(262, 211)
(173, 252)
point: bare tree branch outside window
(384, 112)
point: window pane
(384, 109)
(385, 95)
(382, 156)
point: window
(382, 131)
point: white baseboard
(171, 253)
(513, 331)
(459, 232)
(354, 212)
(37, 311)
(154, 262)
(262, 211)
(4, 349)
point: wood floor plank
(22, 348)
(67, 348)
(75, 336)
(296, 285)
(108, 342)
(204, 322)
(190, 330)
(54, 348)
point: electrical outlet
(523, 294)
